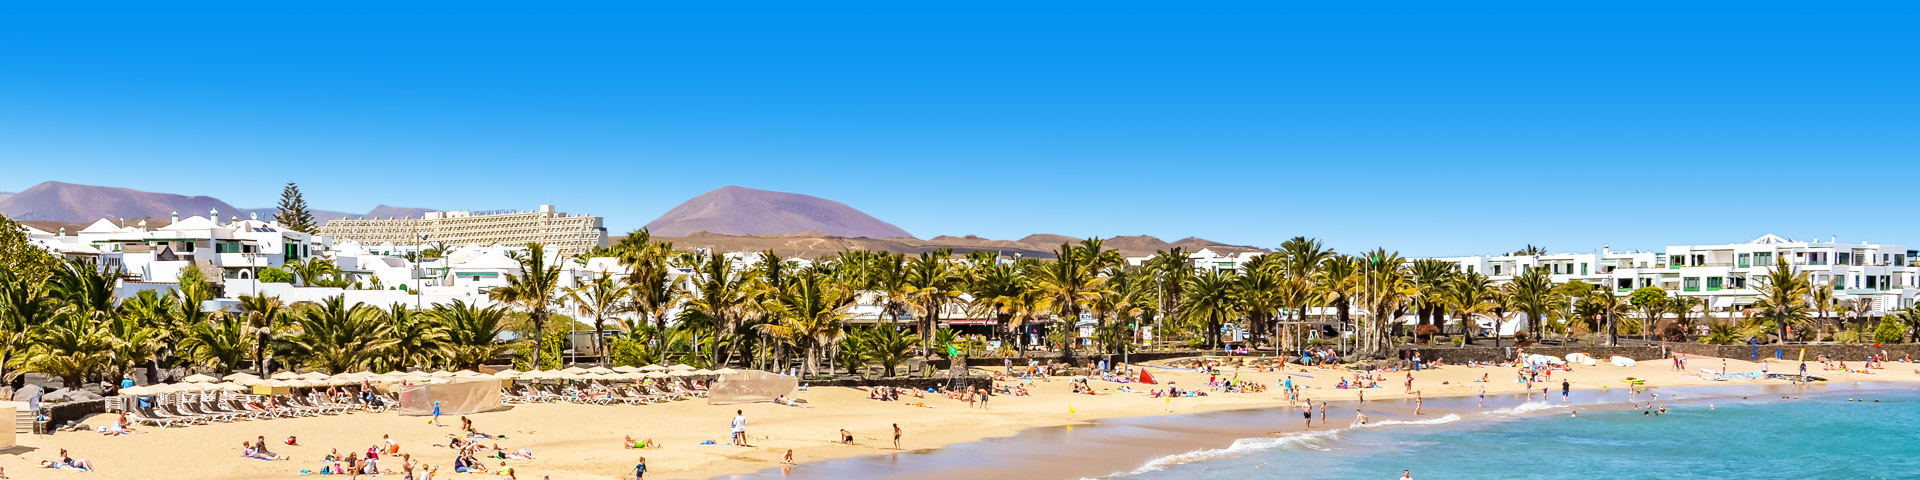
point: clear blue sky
(1474, 128)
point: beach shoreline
(583, 441)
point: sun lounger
(149, 420)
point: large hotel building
(559, 232)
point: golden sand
(572, 441)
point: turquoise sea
(1824, 436)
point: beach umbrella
(652, 368)
(231, 387)
(574, 370)
(703, 372)
(466, 373)
(416, 375)
(626, 369)
(136, 391)
(198, 378)
(657, 375)
(440, 373)
(681, 366)
(161, 388)
(725, 371)
(238, 376)
(314, 376)
(284, 375)
(509, 372)
(680, 373)
(600, 370)
(296, 383)
(196, 386)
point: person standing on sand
(1363, 394)
(436, 413)
(739, 428)
(1323, 413)
(640, 471)
(1409, 383)
(896, 436)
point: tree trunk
(1613, 329)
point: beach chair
(192, 405)
(160, 412)
(138, 417)
(630, 397)
(222, 405)
(680, 389)
(255, 409)
(663, 393)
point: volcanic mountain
(735, 210)
(66, 202)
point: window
(1583, 269)
(1691, 284)
(1745, 259)
(1845, 257)
(1736, 282)
(1624, 284)
(1675, 261)
(228, 247)
(1856, 281)
(1763, 258)
(186, 247)
(1713, 283)
(1873, 281)
(1699, 260)
(1496, 269)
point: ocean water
(1824, 435)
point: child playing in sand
(640, 470)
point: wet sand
(1113, 446)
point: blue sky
(1474, 128)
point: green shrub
(275, 275)
(1889, 331)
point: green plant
(275, 275)
(1889, 331)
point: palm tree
(1336, 282)
(931, 284)
(1209, 300)
(722, 296)
(809, 312)
(1682, 308)
(887, 346)
(1532, 294)
(24, 306)
(154, 312)
(1783, 297)
(267, 318)
(1469, 295)
(313, 269)
(1171, 271)
(76, 343)
(1606, 306)
(419, 337)
(1259, 295)
(473, 333)
(338, 338)
(221, 343)
(597, 299)
(533, 290)
(1821, 299)
(1304, 257)
(1430, 280)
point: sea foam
(1313, 440)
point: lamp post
(419, 269)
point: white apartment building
(237, 249)
(563, 233)
(1207, 259)
(1882, 275)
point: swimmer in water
(1361, 417)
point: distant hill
(1035, 246)
(83, 204)
(735, 210)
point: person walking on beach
(1306, 411)
(640, 470)
(1564, 388)
(896, 436)
(1323, 413)
(740, 427)
(1418, 401)
(436, 413)
(1409, 383)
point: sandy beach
(583, 441)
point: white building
(559, 232)
(237, 249)
(1723, 276)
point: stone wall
(980, 381)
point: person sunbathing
(72, 464)
(248, 450)
(631, 444)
